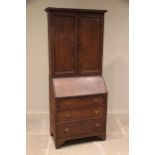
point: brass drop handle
(96, 112)
(67, 115)
(66, 130)
(97, 125)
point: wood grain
(90, 44)
(80, 114)
(81, 102)
(80, 127)
(78, 86)
(77, 91)
(75, 42)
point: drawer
(81, 102)
(70, 115)
(80, 127)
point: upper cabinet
(75, 42)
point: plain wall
(115, 60)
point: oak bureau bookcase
(77, 91)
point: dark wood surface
(52, 9)
(81, 102)
(79, 86)
(80, 114)
(77, 91)
(80, 127)
(75, 42)
(90, 44)
(63, 44)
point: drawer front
(80, 127)
(81, 114)
(81, 102)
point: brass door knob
(67, 115)
(97, 125)
(96, 112)
(66, 129)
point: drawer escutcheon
(96, 112)
(66, 130)
(67, 115)
(97, 125)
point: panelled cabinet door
(90, 44)
(63, 32)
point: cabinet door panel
(90, 44)
(64, 44)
